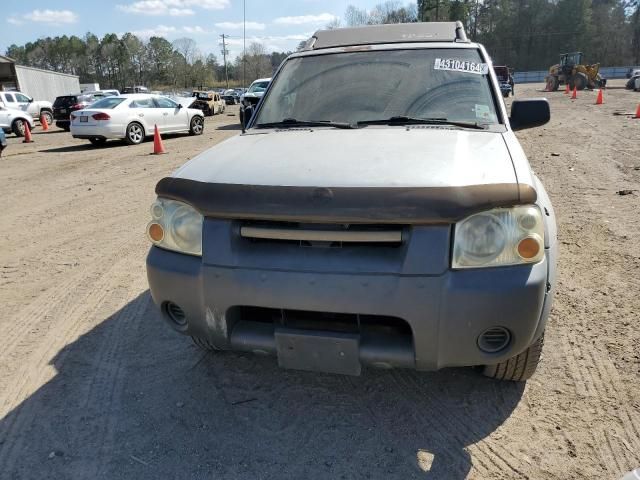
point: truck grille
(323, 235)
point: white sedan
(132, 117)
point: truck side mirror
(529, 113)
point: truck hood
(413, 175)
(370, 157)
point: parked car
(231, 97)
(65, 105)
(136, 89)
(14, 120)
(3, 141)
(346, 230)
(631, 83)
(632, 71)
(250, 99)
(132, 117)
(505, 80)
(21, 101)
(210, 103)
(104, 93)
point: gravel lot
(94, 385)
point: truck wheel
(197, 126)
(553, 83)
(579, 81)
(17, 127)
(205, 344)
(519, 368)
(47, 115)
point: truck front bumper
(446, 313)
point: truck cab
(21, 101)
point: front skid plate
(318, 351)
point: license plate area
(84, 119)
(330, 352)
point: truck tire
(553, 83)
(519, 368)
(17, 127)
(48, 116)
(205, 344)
(579, 81)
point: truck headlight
(503, 236)
(175, 226)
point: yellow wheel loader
(572, 71)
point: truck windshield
(445, 84)
(258, 87)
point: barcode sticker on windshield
(461, 66)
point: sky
(279, 25)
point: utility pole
(224, 55)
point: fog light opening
(494, 339)
(175, 314)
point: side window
(141, 103)
(162, 102)
(9, 98)
(22, 98)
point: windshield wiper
(404, 120)
(292, 122)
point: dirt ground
(94, 385)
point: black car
(505, 79)
(65, 104)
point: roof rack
(392, 33)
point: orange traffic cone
(158, 148)
(574, 95)
(567, 90)
(599, 100)
(27, 133)
(637, 112)
(43, 122)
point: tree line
(118, 62)
(529, 34)
(524, 34)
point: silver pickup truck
(377, 211)
(20, 101)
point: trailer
(35, 82)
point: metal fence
(540, 75)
